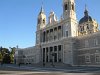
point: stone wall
(88, 49)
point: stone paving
(30, 70)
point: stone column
(45, 36)
(57, 33)
(62, 31)
(48, 54)
(44, 33)
(49, 36)
(53, 52)
(42, 37)
(53, 35)
(62, 53)
(57, 54)
(45, 55)
(42, 55)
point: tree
(6, 59)
(5, 55)
(1, 54)
(12, 52)
(0, 57)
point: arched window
(66, 7)
(73, 7)
(87, 26)
(81, 28)
(43, 21)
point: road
(30, 70)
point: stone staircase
(50, 65)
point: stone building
(64, 41)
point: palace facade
(65, 41)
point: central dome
(86, 17)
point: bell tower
(69, 9)
(41, 23)
(69, 15)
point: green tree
(12, 52)
(6, 59)
(5, 55)
(0, 57)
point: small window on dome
(83, 28)
(87, 26)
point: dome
(86, 17)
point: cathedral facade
(66, 41)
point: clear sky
(18, 18)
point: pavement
(9, 69)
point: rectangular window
(66, 33)
(97, 58)
(86, 43)
(87, 59)
(55, 48)
(55, 37)
(95, 42)
(59, 48)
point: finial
(51, 12)
(86, 11)
(42, 3)
(85, 7)
(42, 10)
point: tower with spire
(69, 16)
(41, 23)
(69, 9)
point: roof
(86, 17)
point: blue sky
(18, 18)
